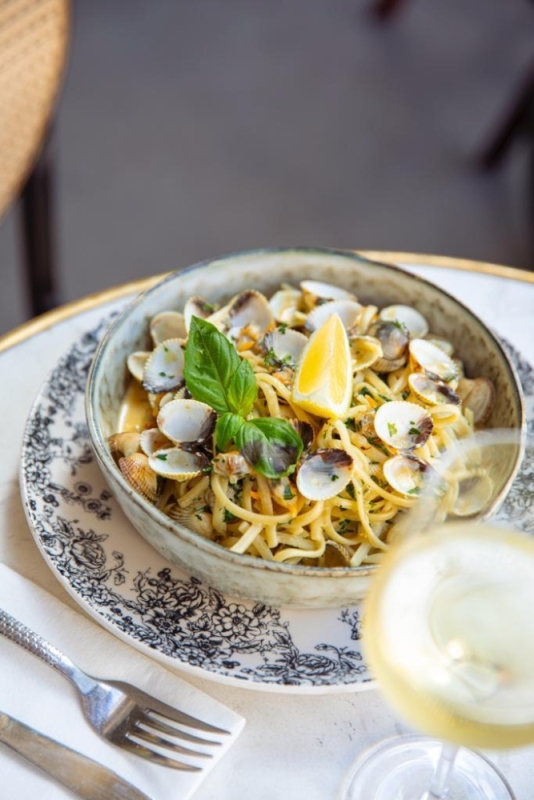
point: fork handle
(20, 634)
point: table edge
(71, 309)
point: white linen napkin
(39, 696)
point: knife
(77, 772)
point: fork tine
(149, 703)
(167, 712)
(151, 755)
(161, 741)
(170, 730)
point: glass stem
(439, 786)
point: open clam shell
(285, 305)
(402, 425)
(316, 293)
(433, 360)
(136, 363)
(365, 351)
(413, 320)
(430, 391)
(187, 421)
(164, 370)
(405, 474)
(167, 325)
(284, 348)
(178, 464)
(479, 396)
(124, 444)
(324, 473)
(151, 440)
(394, 340)
(347, 310)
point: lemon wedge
(323, 381)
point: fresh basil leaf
(243, 389)
(226, 428)
(271, 445)
(210, 362)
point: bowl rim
(207, 545)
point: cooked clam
(187, 421)
(250, 310)
(365, 350)
(347, 310)
(433, 360)
(413, 320)
(394, 340)
(231, 465)
(324, 473)
(198, 307)
(475, 492)
(136, 363)
(443, 344)
(178, 464)
(402, 425)
(140, 476)
(167, 325)
(283, 349)
(316, 293)
(164, 370)
(124, 444)
(479, 396)
(285, 305)
(153, 439)
(406, 474)
(198, 520)
(430, 391)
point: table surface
(293, 746)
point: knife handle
(18, 633)
(83, 776)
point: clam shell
(285, 347)
(124, 444)
(365, 351)
(167, 325)
(151, 440)
(433, 360)
(231, 465)
(136, 363)
(186, 421)
(285, 305)
(402, 425)
(412, 319)
(196, 306)
(164, 370)
(393, 338)
(478, 395)
(405, 474)
(316, 292)
(347, 310)
(431, 391)
(248, 309)
(475, 492)
(178, 464)
(324, 473)
(140, 476)
(443, 344)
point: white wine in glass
(449, 637)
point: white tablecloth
(293, 746)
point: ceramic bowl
(218, 280)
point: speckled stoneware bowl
(217, 281)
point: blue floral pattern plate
(130, 589)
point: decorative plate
(130, 589)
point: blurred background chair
(33, 46)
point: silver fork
(119, 712)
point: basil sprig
(216, 375)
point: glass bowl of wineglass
(448, 629)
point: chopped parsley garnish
(414, 431)
(288, 494)
(334, 477)
(415, 490)
(282, 327)
(161, 456)
(384, 398)
(350, 491)
(228, 516)
(392, 429)
(364, 392)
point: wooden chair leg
(38, 245)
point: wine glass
(447, 628)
